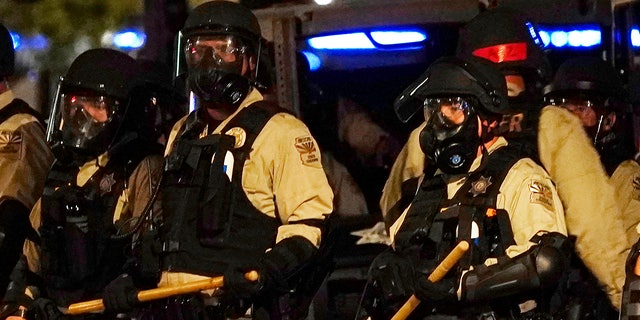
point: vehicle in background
(357, 56)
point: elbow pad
(540, 267)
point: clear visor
(446, 115)
(86, 115)
(224, 52)
(577, 105)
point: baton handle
(159, 293)
(438, 273)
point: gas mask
(86, 125)
(450, 139)
(216, 68)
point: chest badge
(239, 134)
(480, 186)
(107, 183)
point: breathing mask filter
(450, 139)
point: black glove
(236, 285)
(392, 275)
(45, 309)
(120, 295)
(441, 292)
(274, 268)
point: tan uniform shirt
(282, 176)
(591, 212)
(25, 156)
(131, 203)
(527, 194)
(626, 182)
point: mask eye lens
(218, 50)
(450, 112)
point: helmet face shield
(216, 52)
(446, 115)
(84, 117)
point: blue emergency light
(397, 39)
(129, 39)
(17, 40)
(571, 37)
(635, 37)
(314, 61)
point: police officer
(244, 188)
(25, 158)
(484, 191)
(548, 133)
(96, 194)
(591, 89)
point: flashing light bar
(37, 42)
(368, 40)
(129, 39)
(571, 37)
(635, 37)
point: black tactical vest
(434, 224)
(208, 220)
(79, 255)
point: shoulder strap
(18, 106)
(252, 120)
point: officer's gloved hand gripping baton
(438, 273)
(159, 293)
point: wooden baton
(159, 293)
(438, 273)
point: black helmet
(92, 103)
(7, 53)
(588, 76)
(223, 17)
(101, 70)
(158, 104)
(508, 38)
(217, 38)
(448, 76)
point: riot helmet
(591, 88)
(509, 39)
(158, 103)
(453, 93)
(91, 104)
(221, 43)
(7, 53)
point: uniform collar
(501, 142)
(253, 96)
(6, 98)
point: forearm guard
(540, 267)
(288, 256)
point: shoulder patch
(309, 154)
(10, 144)
(541, 194)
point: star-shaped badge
(480, 186)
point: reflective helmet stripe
(507, 52)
